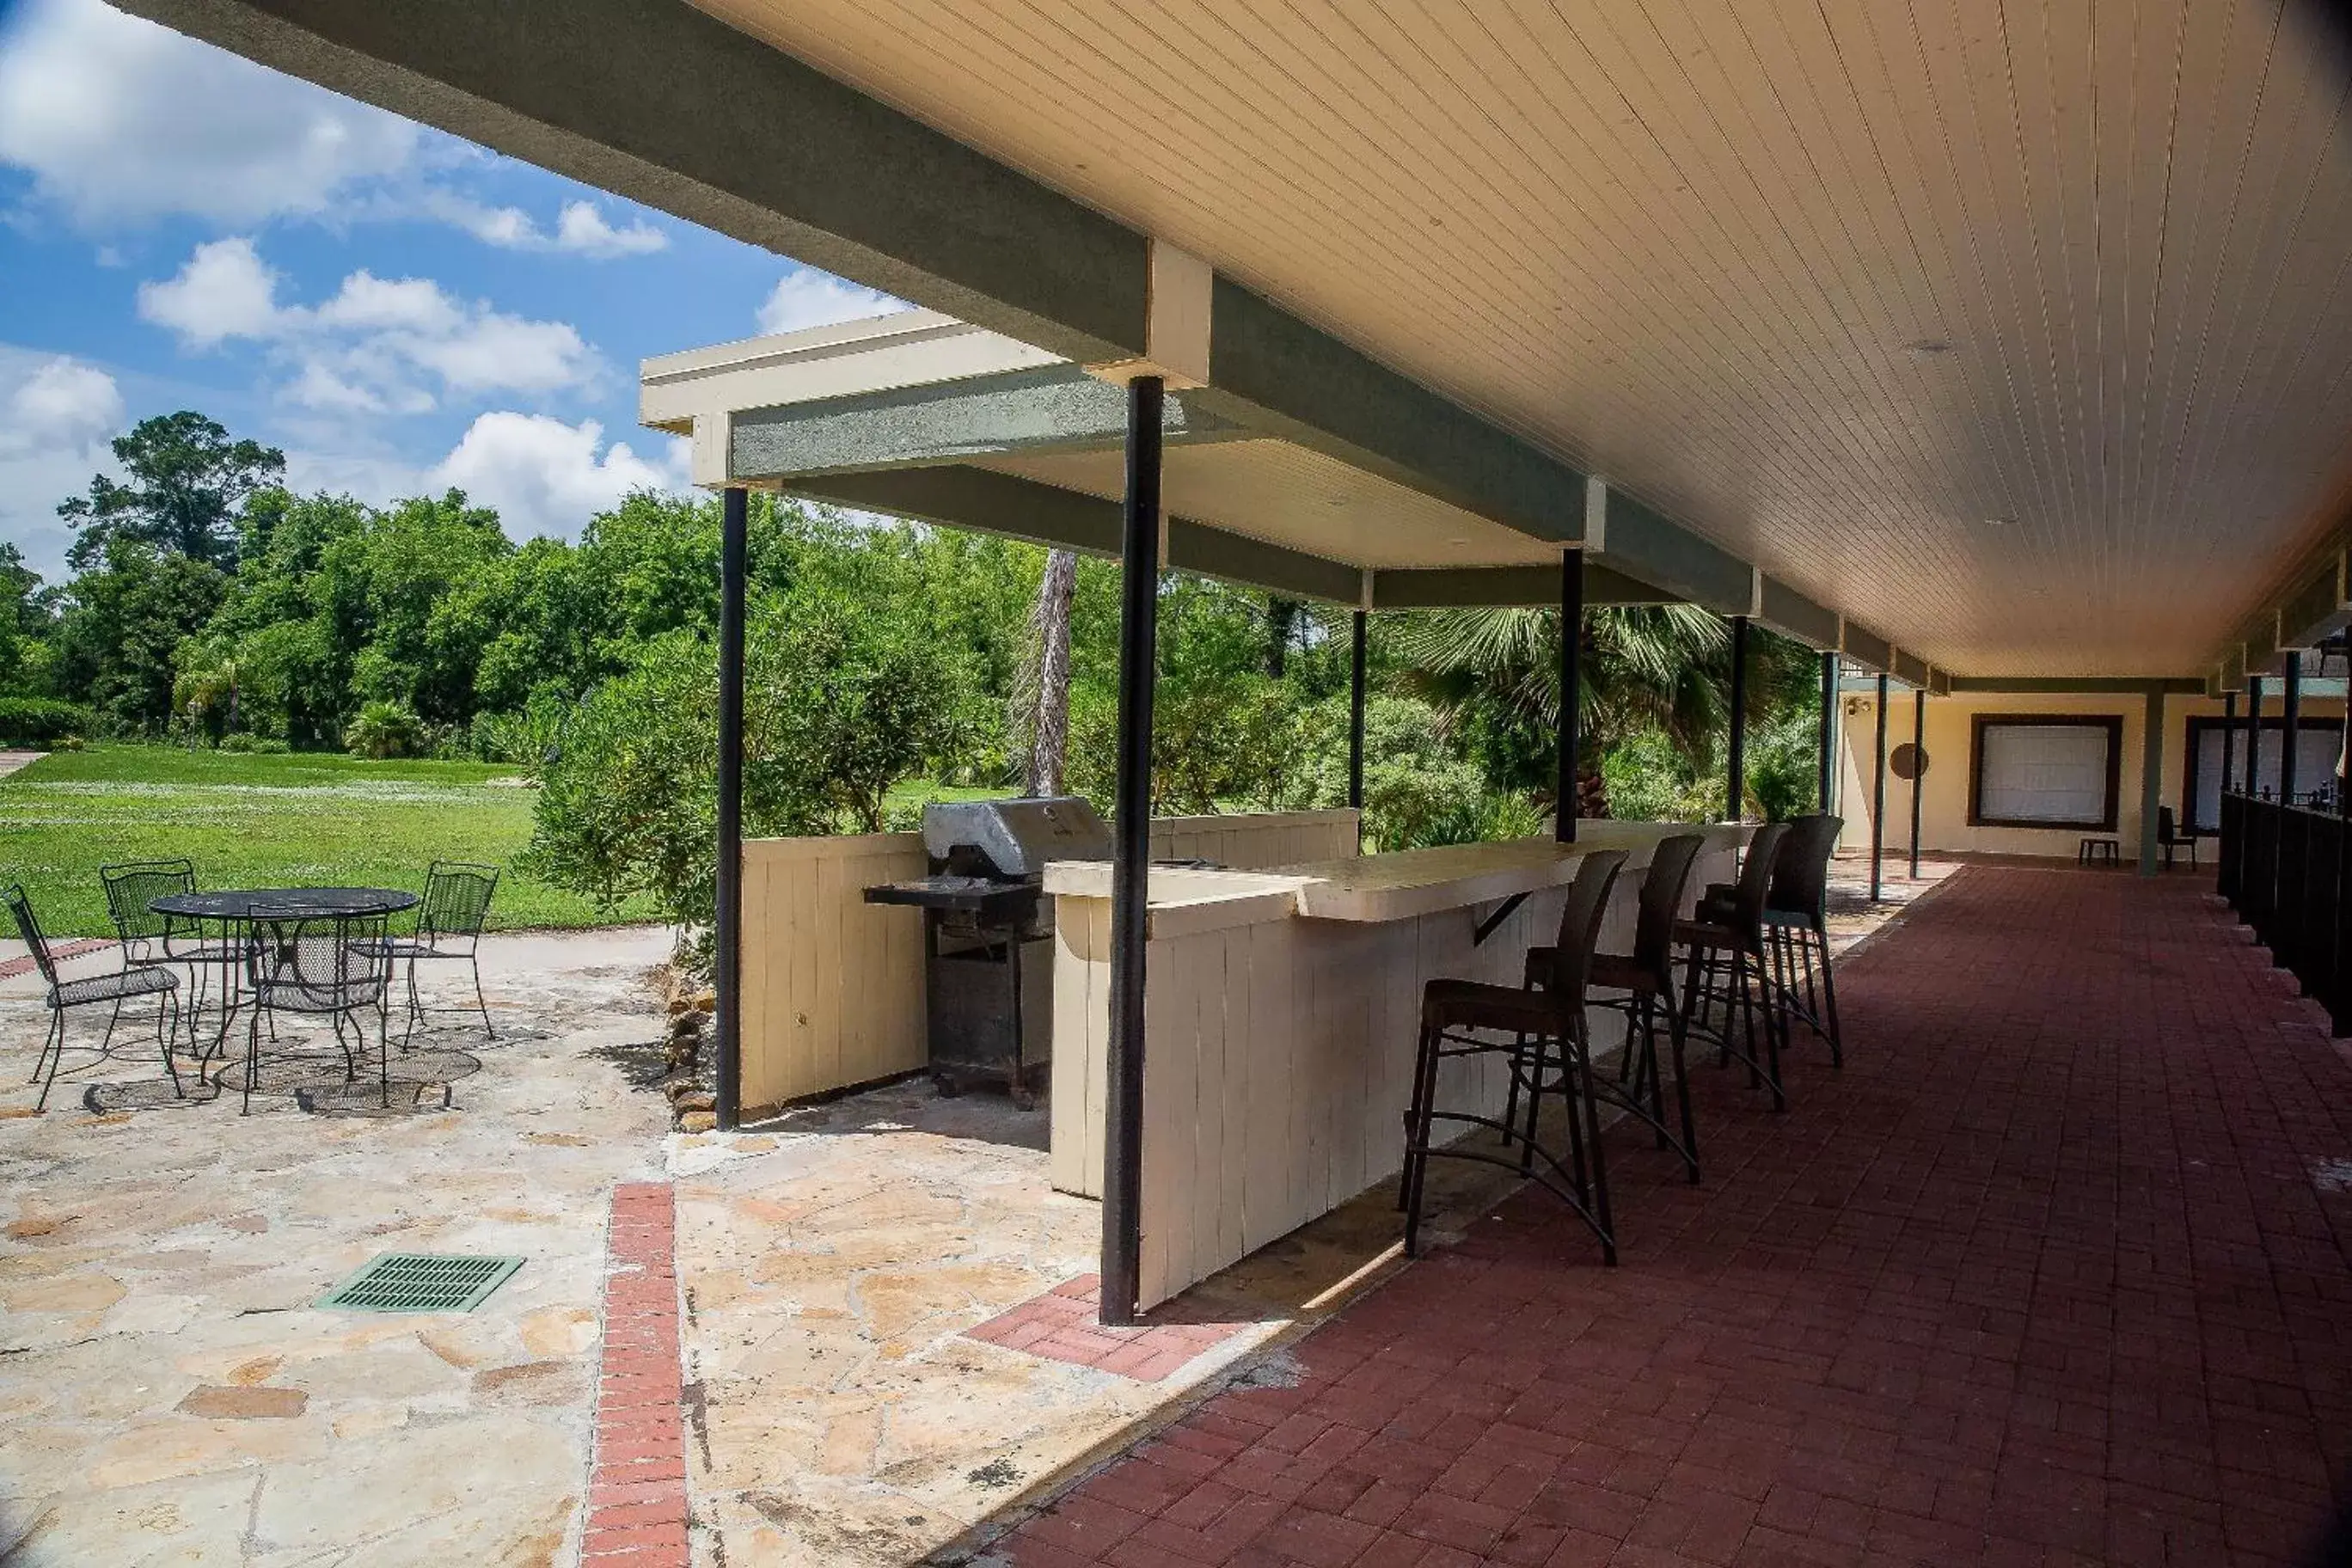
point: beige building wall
(1944, 807)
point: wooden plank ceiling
(1837, 283)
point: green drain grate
(421, 1282)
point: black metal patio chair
(1646, 978)
(1544, 1035)
(2170, 839)
(449, 920)
(1728, 967)
(323, 964)
(63, 995)
(156, 940)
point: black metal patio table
(235, 908)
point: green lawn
(258, 821)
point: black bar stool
(1796, 929)
(1546, 1037)
(1727, 966)
(1646, 976)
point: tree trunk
(1046, 683)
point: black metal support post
(1572, 690)
(1130, 866)
(1829, 726)
(1356, 716)
(2228, 735)
(2255, 735)
(1878, 795)
(1918, 768)
(2151, 779)
(2289, 721)
(727, 957)
(1735, 773)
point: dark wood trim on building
(2113, 723)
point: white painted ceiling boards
(1836, 284)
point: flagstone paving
(169, 1395)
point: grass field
(312, 820)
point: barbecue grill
(988, 996)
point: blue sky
(397, 309)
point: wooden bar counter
(1281, 1009)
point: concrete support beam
(2177, 684)
(1910, 670)
(1642, 544)
(1866, 648)
(1519, 587)
(1790, 614)
(1053, 408)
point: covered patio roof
(2014, 339)
(922, 415)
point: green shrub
(247, 743)
(40, 720)
(386, 730)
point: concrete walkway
(2053, 1273)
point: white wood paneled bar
(1281, 1011)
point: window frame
(2113, 723)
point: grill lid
(1012, 838)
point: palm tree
(1658, 667)
(1041, 697)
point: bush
(245, 742)
(386, 730)
(40, 720)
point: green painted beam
(1520, 587)
(1051, 408)
(2171, 684)
(1867, 649)
(1909, 668)
(1046, 514)
(1791, 613)
(2316, 611)
(1646, 546)
(1274, 372)
(660, 102)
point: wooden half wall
(833, 986)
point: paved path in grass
(11, 761)
(2052, 1273)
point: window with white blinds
(2040, 773)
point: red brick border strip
(1060, 1326)
(637, 1493)
(12, 967)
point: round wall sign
(1907, 761)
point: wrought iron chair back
(318, 961)
(130, 888)
(28, 927)
(457, 900)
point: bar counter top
(1397, 885)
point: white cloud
(119, 120)
(62, 405)
(376, 344)
(56, 415)
(807, 297)
(546, 477)
(225, 290)
(580, 229)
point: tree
(188, 480)
(123, 625)
(1495, 673)
(1041, 699)
(25, 623)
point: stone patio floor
(2052, 1273)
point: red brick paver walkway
(637, 1497)
(2053, 1273)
